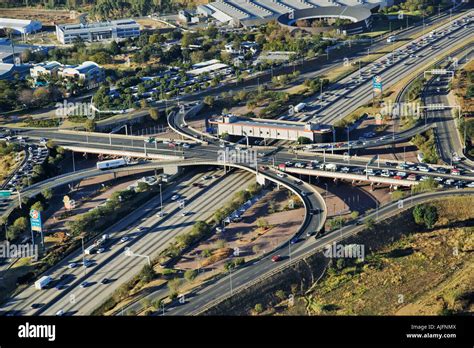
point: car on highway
(175, 197)
(84, 284)
(140, 229)
(100, 250)
(276, 258)
(105, 281)
(36, 305)
(281, 175)
(184, 213)
(72, 265)
(87, 262)
(60, 313)
(298, 182)
(124, 239)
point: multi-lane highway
(450, 146)
(147, 233)
(356, 90)
(80, 290)
(205, 297)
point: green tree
(190, 274)
(37, 206)
(280, 294)
(262, 223)
(21, 223)
(419, 213)
(209, 100)
(174, 284)
(370, 223)
(431, 216)
(258, 308)
(154, 114)
(89, 125)
(47, 194)
(425, 215)
(147, 274)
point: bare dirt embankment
(407, 270)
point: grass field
(429, 272)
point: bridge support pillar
(261, 180)
(372, 186)
(171, 170)
(353, 183)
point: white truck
(111, 164)
(89, 250)
(43, 282)
(331, 166)
(300, 107)
(99, 242)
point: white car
(72, 265)
(60, 313)
(100, 250)
(174, 197)
(280, 175)
(123, 239)
(184, 213)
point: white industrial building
(209, 66)
(100, 31)
(20, 26)
(256, 12)
(271, 129)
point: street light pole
(73, 163)
(161, 202)
(83, 256)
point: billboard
(35, 220)
(377, 83)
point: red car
(276, 258)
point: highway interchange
(75, 299)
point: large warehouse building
(256, 12)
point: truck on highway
(111, 164)
(43, 282)
(89, 250)
(98, 243)
(300, 107)
(331, 167)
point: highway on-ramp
(157, 233)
